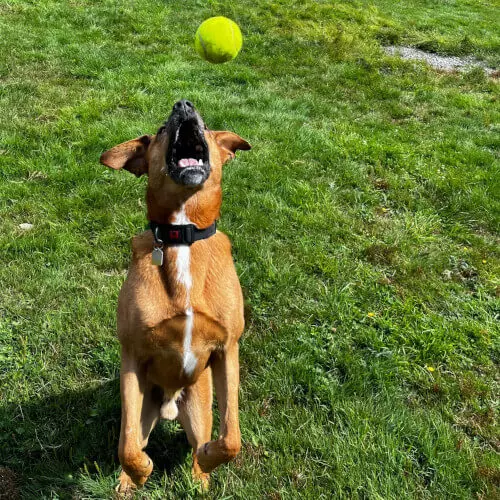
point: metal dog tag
(157, 256)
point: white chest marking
(182, 264)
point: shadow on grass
(47, 443)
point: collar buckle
(186, 234)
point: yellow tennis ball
(218, 39)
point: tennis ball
(218, 39)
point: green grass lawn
(365, 231)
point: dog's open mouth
(187, 156)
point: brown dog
(180, 311)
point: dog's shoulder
(142, 244)
(223, 240)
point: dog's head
(184, 156)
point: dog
(180, 309)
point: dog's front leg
(225, 369)
(136, 464)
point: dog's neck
(200, 208)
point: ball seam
(202, 43)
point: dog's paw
(217, 452)
(203, 478)
(125, 488)
(137, 468)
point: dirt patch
(442, 63)
(8, 484)
(380, 254)
(381, 184)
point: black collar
(186, 234)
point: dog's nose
(183, 105)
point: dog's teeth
(200, 162)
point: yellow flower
(371, 314)
(484, 261)
(465, 249)
(430, 368)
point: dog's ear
(228, 143)
(130, 155)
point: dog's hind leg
(195, 415)
(140, 411)
(153, 397)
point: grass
(365, 231)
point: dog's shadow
(47, 443)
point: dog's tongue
(187, 162)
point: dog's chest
(182, 311)
(179, 329)
(180, 284)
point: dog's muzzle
(187, 156)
